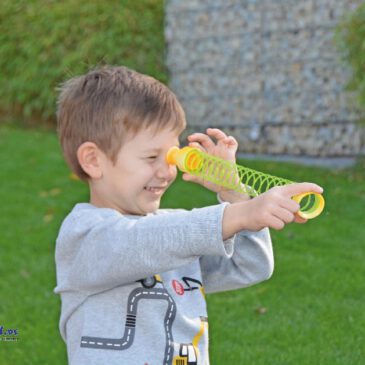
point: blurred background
(285, 77)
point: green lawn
(310, 312)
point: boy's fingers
(197, 145)
(284, 215)
(276, 223)
(190, 178)
(290, 204)
(299, 219)
(216, 133)
(231, 141)
(221, 136)
(300, 188)
(203, 139)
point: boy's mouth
(155, 189)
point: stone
(267, 72)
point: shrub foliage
(44, 42)
(351, 38)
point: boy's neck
(98, 200)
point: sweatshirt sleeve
(251, 263)
(98, 249)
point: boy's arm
(251, 263)
(99, 249)
(273, 209)
(252, 260)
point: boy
(132, 277)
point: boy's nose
(166, 171)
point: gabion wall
(266, 71)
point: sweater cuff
(229, 242)
(206, 227)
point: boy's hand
(276, 208)
(273, 209)
(224, 147)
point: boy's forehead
(148, 138)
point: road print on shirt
(188, 353)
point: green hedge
(351, 38)
(42, 43)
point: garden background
(310, 312)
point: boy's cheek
(171, 181)
(174, 174)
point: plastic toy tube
(239, 178)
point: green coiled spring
(238, 178)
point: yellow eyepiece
(187, 159)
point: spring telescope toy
(239, 178)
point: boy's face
(140, 176)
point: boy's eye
(151, 157)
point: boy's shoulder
(84, 217)
(87, 214)
(168, 210)
(87, 211)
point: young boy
(132, 278)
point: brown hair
(106, 104)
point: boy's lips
(155, 189)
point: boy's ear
(89, 157)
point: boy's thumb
(190, 178)
(300, 188)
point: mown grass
(309, 312)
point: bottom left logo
(9, 334)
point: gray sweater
(133, 287)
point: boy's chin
(151, 207)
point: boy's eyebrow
(157, 150)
